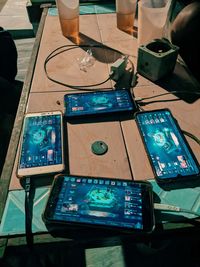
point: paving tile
(105, 257)
(14, 15)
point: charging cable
(172, 208)
(116, 71)
(28, 212)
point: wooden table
(126, 157)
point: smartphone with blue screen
(101, 203)
(41, 144)
(169, 152)
(98, 102)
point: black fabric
(10, 95)
(58, 254)
(8, 56)
(6, 125)
(10, 90)
(185, 34)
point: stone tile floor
(13, 15)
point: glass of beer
(68, 11)
(125, 10)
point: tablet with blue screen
(99, 102)
(101, 203)
(169, 152)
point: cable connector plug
(172, 208)
(138, 99)
(117, 69)
(166, 207)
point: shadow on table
(55, 254)
(174, 248)
(100, 52)
(170, 251)
(99, 118)
(107, 55)
(182, 81)
(181, 183)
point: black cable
(158, 101)
(139, 106)
(139, 100)
(28, 212)
(80, 87)
(60, 50)
(196, 139)
(172, 92)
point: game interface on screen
(98, 201)
(41, 144)
(167, 149)
(97, 102)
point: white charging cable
(172, 208)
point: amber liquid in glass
(125, 22)
(70, 27)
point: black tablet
(169, 152)
(99, 102)
(101, 203)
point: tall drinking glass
(68, 11)
(125, 10)
(152, 19)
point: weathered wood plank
(24, 50)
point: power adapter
(117, 69)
